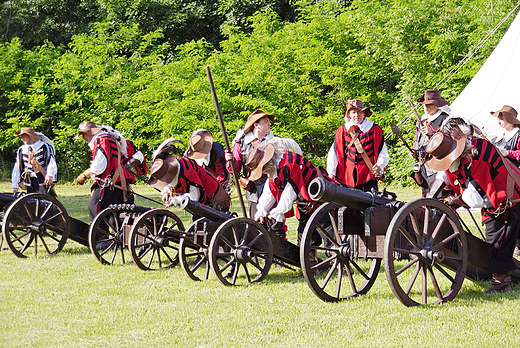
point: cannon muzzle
(195, 207)
(326, 191)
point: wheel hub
(432, 255)
(244, 254)
(160, 242)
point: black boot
(501, 282)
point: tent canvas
(496, 84)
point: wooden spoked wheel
(330, 269)
(240, 252)
(194, 258)
(154, 239)
(106, 236)
(425, 253)
(35, 224)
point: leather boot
(313, 261)
(500, 282)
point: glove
(453, 201)
(132, 163)
(84, 176)
(246, 184)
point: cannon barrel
(195, 207)
(326, 191)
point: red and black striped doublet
(108, 146)
(298, 172)
(190, 173)
(352, 169)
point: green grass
(70, 300)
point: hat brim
(34, 138)
(507, 116)
(249, 124)
(191, 154)
(167, 178)
(256, 173)
(437, 102)
(366, 110)
(90, 131)
(442, 164)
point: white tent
(496, 84)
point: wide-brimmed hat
(87, 127)
(508, 113)
(163, 171)
(357, 104)
(29, 132)
(200, 145)
(445, 149)
(257, 159)
(255, 117)
(432, 96)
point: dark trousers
(501, 235)
(102, 198)
(37, 188)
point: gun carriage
(427, 253)
(238, 250)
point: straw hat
(508, 113)
(432, 96)
(257, 159)
(357, 104)
(29, 132)
(445, 149)
(163, 171)
(200, 145)
(255, 117)
(87, 127)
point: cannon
(238, 250)
(427, 253)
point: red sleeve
(237, 157)
(515, 153)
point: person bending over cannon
(358, 156)
(208, 154)
(35, 167)
(106, 168)
(481, 178)
(256, 130)
(289, 176)
(181, 177)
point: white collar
(203, 160)
(91, 142)
(249, 137)
(431, 118)
(364, 126)
(509, 134)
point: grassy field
(71, 300)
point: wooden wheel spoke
(356, 266)
(435, 284)
(409, 238)
(44, 243)
(50, 236)
(246, 271)
(415, 226)
(407, 251)
(325, 236)
(444, 273)
(151, 258)
(29, 212)
(334, 223)
(446, 240)
(105, 250)
(246, 234)
(47, 208)
(405, 267)
(254, 240)
(438, 227)
(426, 228)
(413, 278)
(18, 238)
(235, 273)
(329, 274)
(424, 281)
(24, 220)
(235, 234)
(114, 254)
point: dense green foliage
(123, 72)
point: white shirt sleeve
(265, 202)
(383, 158)
(15, 174)
(194, 193)
(99, 164)
(52, 169)
(138, 155)
(472, 198)
(284, 204)
(332, 160)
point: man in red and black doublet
(293, 176)
(482, 181)
(353, 170)
(191, 174)
(134, 159)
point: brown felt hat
(87, 127)
(432, 96)
(200, 144)
(255, 117)
(508, 113)
(357, 104)
(257, 159)
(29, 132)
(445, 149)
(163, 171)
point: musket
(397, 132)
(226, 141)
(110, 183)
